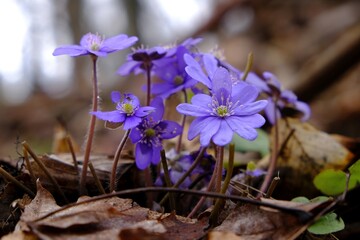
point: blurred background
(313, 46)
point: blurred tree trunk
(78, 28)
(132, 9)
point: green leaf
(260, 144)
(330, 182)
(326, 224)
(355, 171)
(300, 200)
(333, 182)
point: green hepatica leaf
(330, 182)
(355, 171)
(333, 182)
(300, 200)
(328, 223)
(260, 144)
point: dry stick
(116, 160)
(220, 202)
(97, 181)
(208, 189)
(178, 147)
(10, 178)
(186, 174)
(167, 179)
(91, 129)
(303, 215)
(272, 187)
(28, 166)
(72, 151)
(44, 169)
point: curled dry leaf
(304, 152)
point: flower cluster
(228, 109)
(225, 106)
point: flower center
(128, 108)
(95, 41)
(150, 132)
(178, 80)
(222, 111)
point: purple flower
(148, 135)
(173, 75)
(96, 45)
(271, 86)
(230, 109)
(141, 60)
(128, 110)
(203, 72)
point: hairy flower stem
(116, 160)
(91, 129)
(220, 202)
(274, 155)
(218, 173)
(178, 147)
(186, 174)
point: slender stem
(208, 189)
(148, 78)
(274, 153)
(10, 178)
(220, 202)
(178, 147)
(167, 179)
(97, 181)
(44, 169)
(116, 160)
(220, 160)
(186, 174)
(248, 67)
(90, 134)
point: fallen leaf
(109, 218)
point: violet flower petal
(71, 50)
(243, 130)
(112, 116)
(144, 154)
(223, 135)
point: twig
(72, 151)
(303, 215)
(97, 181)
(10, 178)
(44, 169)
(28, 166)
(272, 187)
